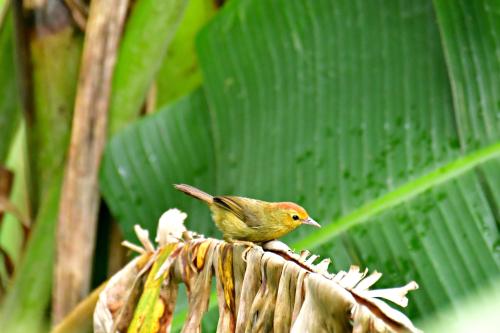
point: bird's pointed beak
(310, 221)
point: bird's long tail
(194, 192)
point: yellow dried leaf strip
(150, 309)
(168, 294)
(191, 255)
(201, 254)
(186, 270)
(158, 311)
(143, 260)
(225, 267)
(128, 293)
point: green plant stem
(24, 306)
(48, 94)
(9, 110)
(148, 32)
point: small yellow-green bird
(246, 219)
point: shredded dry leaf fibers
(269, 289)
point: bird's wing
(243, 208)
(231, 204)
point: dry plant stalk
(269, 289)
(79, 12)
(80, 195)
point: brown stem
(79, 11)
(117, 256)
(80, 196)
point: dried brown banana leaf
(259, 289)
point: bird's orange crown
(301, 212)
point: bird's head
(294, 215)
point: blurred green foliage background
(381, 117)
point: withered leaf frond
(259, 289)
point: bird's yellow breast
(233, 228)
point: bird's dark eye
(295, 217)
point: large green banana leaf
(381, 112)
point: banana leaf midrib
(399, 195)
